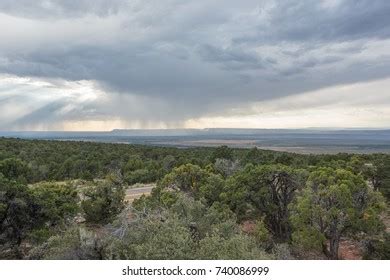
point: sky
(107, 64)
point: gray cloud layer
(60, 8)
(194, 58)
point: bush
(15, 169)
(261, 233)
(76, 243)
(282, 252)
(139, 176)
(58, 203)
(187, 230)
(378, 249)
(103, 202)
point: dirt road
(134, 193)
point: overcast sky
(105, 64)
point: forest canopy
(67, 200)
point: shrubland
(66, 200)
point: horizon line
(200, 129)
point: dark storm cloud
(198, 57)
(310, 21)
(234, 58)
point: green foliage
(188, 230)
(152, 238)
(237, 247)
(58, 203)
(226, 167)
(134, 163)
(17, 212)
(264, 191)
(168, 163)
(254, 156)
(138, 176)
(103, 202)
(334, 203)
(261, 233)
(308, 238)
(381, 176)
(273, 189)
(15, 169)
(40, 235)
(378, 249)
(34, 213)
(187, 178)
(76, 243)
(159, 198)
(212, 188)
(222, 152)
(282, 251)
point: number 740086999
(242, 270)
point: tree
(103, 202)
(378, 249)
(138, 176)
(15, 169)
(212, 188)
(58, 203)
(226, 167)
(378, 174)
(33, 213)
(267, 191)
(222, 152)
(187, 178)
(253, 156)
(134, 163)
(334, 203)
(168, 163)
(16, 214)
